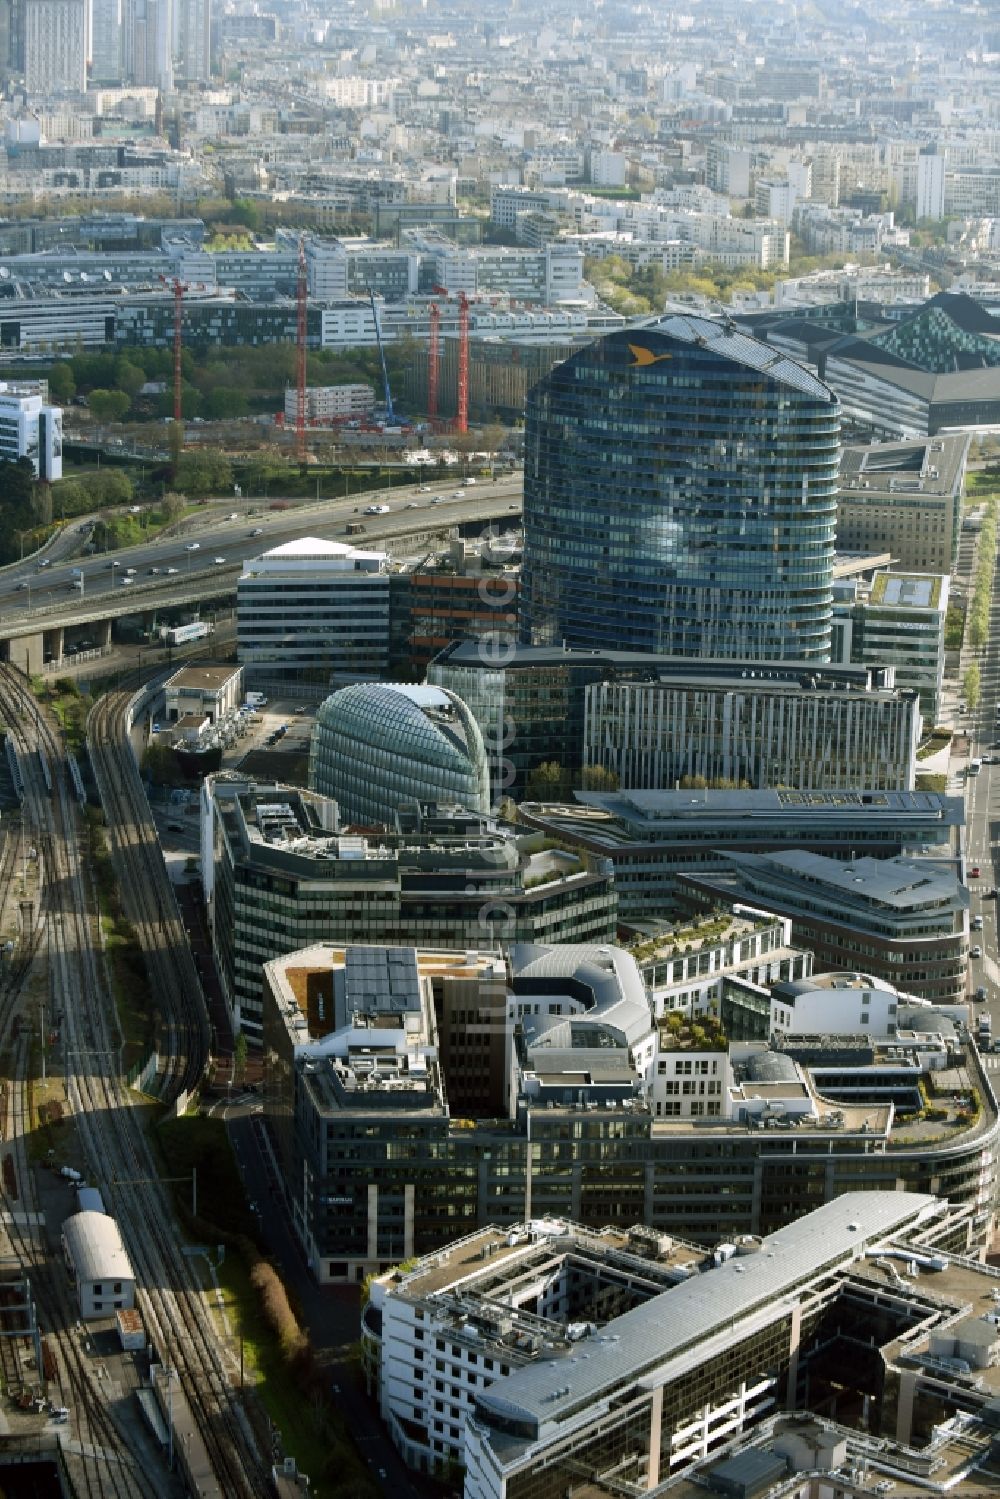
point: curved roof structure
(378, 746)
(95, 1246)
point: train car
(185, 634)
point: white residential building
(930, 186)
(30, 428)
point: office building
(377, 747)
(107, 41)
(896, 620)
(810, 735)
(194, 40)
(313, 611)
(689, 968)
(55, 46)
(149, 43)
(281, 870)
(649, 837)
(662, 470)
(904, 498)
(31, 428)
(934, 368)
(642, 1396)
(351, 1043)
(653, 720)
(209, 692)
(556, 1090)
(467, 591)
(900, 920)
(392, 1044)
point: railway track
(118, 1154)
(148, 897)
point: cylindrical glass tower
(680, 496)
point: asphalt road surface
(36, 587)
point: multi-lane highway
(213, 544)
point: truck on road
(184, 634)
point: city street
(982, 800)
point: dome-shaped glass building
(680, 496)
(377, 746)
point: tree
(41, 504)
(971, 684)
(129, 377)
(62, 386)
(548, 782)
(239, 1057)
(598, 778)
(225, 402)
(171, 507)
(109, 405)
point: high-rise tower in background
(55, 46)
(194, 40)
(680, 489)
(148, 42)
(107, 56)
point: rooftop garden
(679, 1033)
(692, 937)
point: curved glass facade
(376, 747)
(680, 493)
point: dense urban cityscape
(500, 792)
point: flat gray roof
(898, 883)
(634, 1345)
(651, 807)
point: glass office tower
(680, 488)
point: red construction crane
(178, 288)
(301, 298)
(433, 362)
(461, 423)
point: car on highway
(424, 489)
(193, 546)
(127, 580)
(112, 564)
(24, 585)
(376, 510)
(44, 563)
(976, 952)
(257, 531)
(218, 561)
(171, 571)
(470, 481)
(458, 494)
(153, 571)
(411, 505)
(130, 571)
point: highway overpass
(44, 616)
